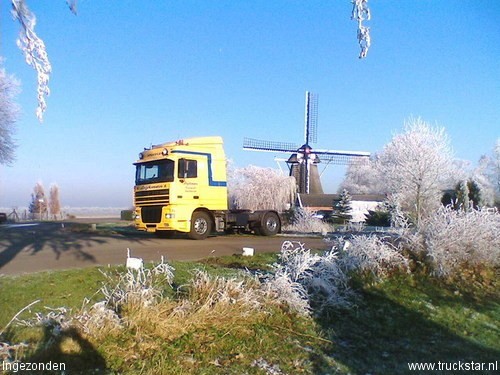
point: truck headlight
(170, 216)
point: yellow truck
(181, 186)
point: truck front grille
(152, 197)
(151, 214)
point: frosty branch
(34, 51)
(361, 13)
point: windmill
(303, 163)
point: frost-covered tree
(482, 178)
(363, 178)
(8, 115)
(54, 201)
(415, 166)
(490, 166)
(258, 188)
(38, 204)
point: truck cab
(179, 185)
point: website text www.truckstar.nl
(455, 366)
(14, 367)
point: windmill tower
(303, 163)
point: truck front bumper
(167, 222)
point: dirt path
(50, 246)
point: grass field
(403, 319)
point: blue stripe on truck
(211, 182)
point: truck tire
(270, 224)
(201, 225)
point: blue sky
(130, 73)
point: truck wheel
(201, 226)
(270, 224)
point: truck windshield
(154, 171)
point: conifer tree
(342, 207)
(463, 195)
(470, 193)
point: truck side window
(188, 168)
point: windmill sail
(311, 118)
(262, 145)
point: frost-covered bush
(289, 282)
(455, 238)
(372, 254)
(304, 280)
(305, 221)
(55, 318)
(98, 319)
(328, 285)
(309, 281)
(288, 292)
(137, 287)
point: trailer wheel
(270, 224)
(201, 225)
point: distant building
(361, 203)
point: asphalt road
(28, 248)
